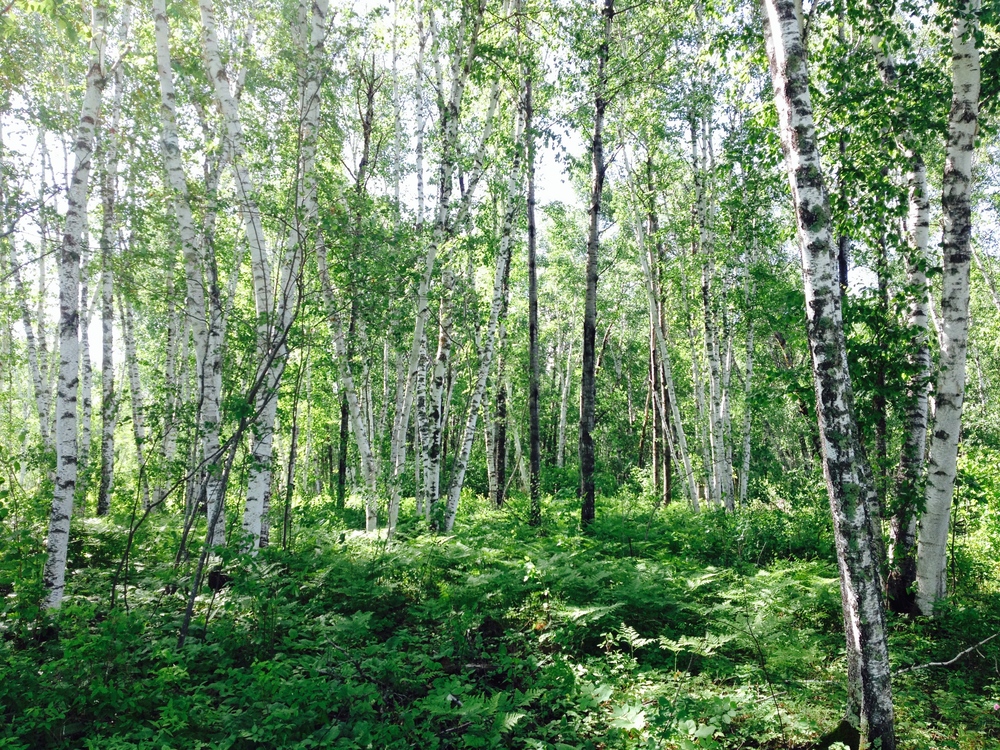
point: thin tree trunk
(656, 438)
(564, 407)
(109, 185)
(86, 383)
(910, 478)
(534, 424)
(450, 111)
(57, 541)
(524, 472)
(36, 355)
(720, 475)
(135, 393)
(663, 353)
(204, 320)
(956, 247)
(747, 391)
(434, 419)
(701, 433)
(488, 342)
(500, 437)
(588, 381)
(853, 500)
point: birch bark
(720, 474)
(956, 243)
(534, 422)
(109, 180)
(86, 380)
(205, 321)
(450, 114)
(565, 382)
(747, 392)
(273, 316)
(853, 500)
(588, 380)
(135, 395)
(660, 335)
(57, 541)
(488, 342)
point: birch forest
(535, 374)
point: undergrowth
(656, 629)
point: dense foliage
(661, 629)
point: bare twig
(948, 663)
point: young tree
(588, 381)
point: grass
(653, 630)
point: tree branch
(948, 663)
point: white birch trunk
(135, 394)
(109, 186)
(564, 408)
(174, 375)
(369, 468)
(701, 432)
(57, 541)
(36, 366)
(652, 299)
(853, 501)
(434, 421)
(747, 391)
(270, 362)
(205, 325)
(86, 379)
(275, 316)
(720, 474)
(450, 112)
(489, 337)
(956, 246)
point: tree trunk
(109, 188)
(853, 500)
(57, 541)
(534, 424)
(86, 382)
(450, 112)
(747, 391)
(36, 355)
(588, 381)
(910, 478)
(434, 419)
(564, 407)
(956, 243)
(204, 320)
(660, 335)
(500, 436)
(135, 393)
(342, 450)
(720, 474)
(489, 337)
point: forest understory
(657, 628)
(533, 374)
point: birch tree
(848, 478)
(949, 394)
(588, 381)
(204, 317)
(57, 541)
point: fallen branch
(950, 661)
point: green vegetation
(657, 629)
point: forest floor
(654, 630)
